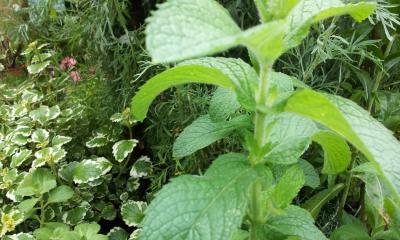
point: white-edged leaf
(59, 140)
(133, 212)
(99, 140)
(122, 149)
(37, 67)
(19, 157)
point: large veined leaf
(289, 137)
(242, 75)
(223, 103)
(295, 221)
(356, 125)
(182, 29)
(203, 131)
(308, 12)
(288, 187)
(202, 207)
(175, 76)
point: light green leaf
(207, 208)
(203, 131)
(60, 194)
(310, 174)
(182, 29)
(41, 57)
(133, 212)
(308, 12)
(122, 149)
(20, 236)
(37, 182)
(59, 140)
(31, 96)
(354, 124)
(289, 137)
(27, 205)
(38, 67)
(337, 153)
(280, 8)
(1, 67)
(20, 157)
(172, 77)
(316, 202)
(296, 222)
(54, 112)
(89, 231)
(40, 114)
(288, 187)
(351, 232)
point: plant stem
(260, 136)
(380, 75)
(346, 189)
(42, 213)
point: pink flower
(75, 75)
(67, 62)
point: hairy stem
(260, 136)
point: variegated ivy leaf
(59, 140)
(19, 110)
(20, 236)
(75, 215)
(117, 233)
(50, 154)
(31, 96)
(133, 212)
(41, 137)
(19, 139)
(124, 118)
(98, 141)
(19, 157)
(123, 148)
(42, 114)
(141, 168)
(89, 170)
(38, 67)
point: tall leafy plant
(249, 195)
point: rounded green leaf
(60, 194)
(37, 182)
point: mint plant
(249, 195)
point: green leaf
(117, 233)
(89, 231)
(50, 154)
(38, 67)
(141, 168)
(295, 222)
(20, 157)
(351, 232)
(223, 103)
(316, 202)
(356, 125)
(207, 207)
(60, 194)
(182, 29)
(89, 170)
(241, 74)
(133, 212)
(37, 182)
(288, 187)
(266, 40)
(40, 114)
(20, 236)
(280, 8)
(99, 140)
(289, 137)
(75, 215)
(337, 153)
(308, 12)
(310, 174)
(27, 205)
(59, 140)
(122, 149)
(203, 131)
(40, 136)
(172, 77)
